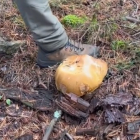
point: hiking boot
(45, 59)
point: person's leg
(49, 34)
(47, 31)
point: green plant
(118, 44)
(0, 97)
(135, 53)
(8, 101)
(94, 22)
(73, 20)
(125, 65)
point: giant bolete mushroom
(80, 74)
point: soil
(114, 107)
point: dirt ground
(118, 37)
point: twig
(57, 115)
(84, 33)
(137, 8)
(96, 2)
(69, 136)
(39, 80)
(134, 42)
(83, 131)
(133, 19)
(63, 133)
(49, 129)
(138, 33)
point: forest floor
(114, 26)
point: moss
(118, 45)
(73, 20)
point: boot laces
(73, 47)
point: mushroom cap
(80, 74)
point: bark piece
(119, 99)
(94, 105)
(41, 100)
(100, 130)
(77, 102)
(113, 115)
(73, 105)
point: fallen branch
(133, 19)
(102, 131)
(138, 33)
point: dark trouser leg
(46, 29)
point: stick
(84, 131)
(133, 19)
(49, 129)
(65, 133)
(137, 7)
(57, 115)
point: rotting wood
(92, 132)
(77, 102)
(98, 130)
(70, 110)
(41, 100)
(73, 105)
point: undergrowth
(73, 21)
(106, 27)
(89, 22)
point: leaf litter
(114, 108)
